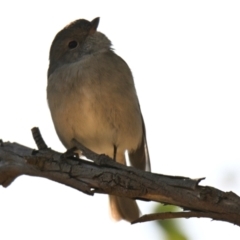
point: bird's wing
(139, 158)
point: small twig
(39, 139)
(171, 215)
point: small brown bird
(92, 98)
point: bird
(92, 98)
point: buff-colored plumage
(92, 98)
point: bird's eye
(72, 44)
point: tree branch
(103, 175)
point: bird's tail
(123, 208)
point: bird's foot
(71, 152)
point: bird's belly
(97, 125)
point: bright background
(185, 58)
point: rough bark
(102, 175)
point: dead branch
(103, 175)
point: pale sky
(185, 58)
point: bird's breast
(94, 110)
